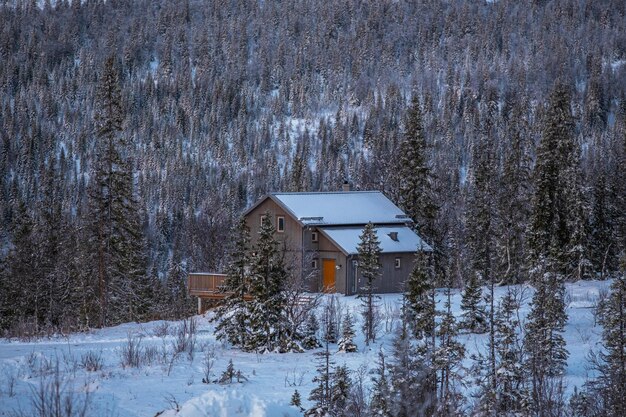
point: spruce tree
(346, 343)
(508, 397)
(381, 395)
(321, 394)
(296, 400)
(415, 182)
(341, 385)
(411, 376)
(310, 340)
(608, 388)
(369, 266)
(419, 295)
(115, 246)
(558, 226)
(448, 357)
(233, 312)
(546, 353)
(473, 313)
(268, 275)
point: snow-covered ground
(271, 378)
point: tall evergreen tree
(558, 226)
(419, 295)
(369, 266)
(608, 389)
(473, 312)
(346, 343)
(380, 404)
(546, 353)
(233, 313)
(415, 183)
(267, 327)
(115, 247)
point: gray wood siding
(291, 238)
(391, 279)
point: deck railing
(209, 285)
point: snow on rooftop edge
(341, 207)
(348, 238)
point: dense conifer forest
(134, 133)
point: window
(263, 216)
(314, 237)
(314, 264)
(398, 263)
(280, 222)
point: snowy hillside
(163, 385)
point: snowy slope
(272, 378)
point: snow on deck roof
(351, 207)
(348, 238)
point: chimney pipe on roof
(394, 236)
(346, 186)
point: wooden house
(320, 232)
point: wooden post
(199, 305)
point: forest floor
(160, 385)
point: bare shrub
(185, 337)
(172, 402)
(91, 361)
(295, 378)
(600, 303)
(151, 354)
(25, 329)
(162, 329)
(390, 315)
(209, 356)
(131, 352)
(54, 397)
(9, 375)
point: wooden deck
(208, 285)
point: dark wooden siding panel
(291, 238)
(391, 280)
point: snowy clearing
(160, 386)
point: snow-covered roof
(348, 238)
(341, 208)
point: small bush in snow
(162, 329)
(9, 375)
(91, 361)
(208, 361)
(131, 352)
(185, 340)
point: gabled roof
(348, 238)
(338, 208)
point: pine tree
(448, 357)
(234, 311)
(508, 397)
(419, 297)
(474, 316)
(115, 247)
(608, 388)
(321, 394)
(296, 400)
(346, 343)
(380, 401)
(268, 275)
(411, 375)
(310, 340)
(341, 385)
(369, 265)
(415, 189)
(19, 271)
(558, 226)
(544, 343)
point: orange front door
(328, 274)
